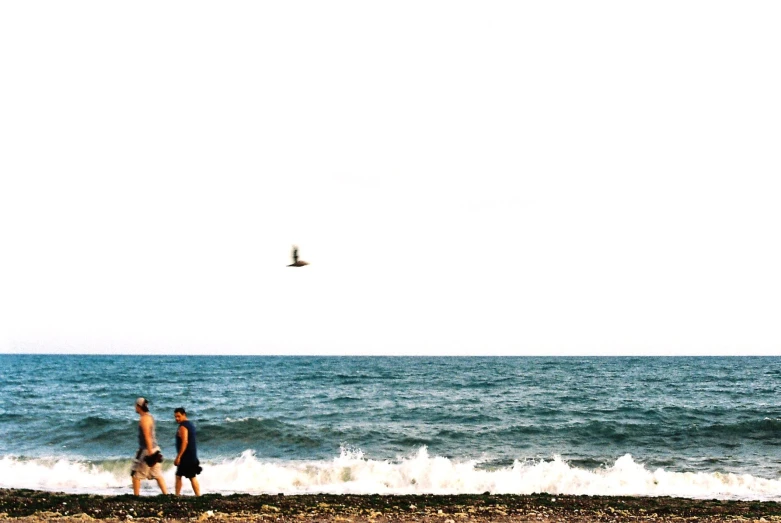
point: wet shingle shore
(30, 505)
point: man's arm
(183, 435)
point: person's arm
(146, 428)
(183, 435)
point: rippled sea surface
(687, 416)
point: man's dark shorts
(188, 470)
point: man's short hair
(180, 410)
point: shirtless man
(148, 458)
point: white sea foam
(351, 472)
(63, 475)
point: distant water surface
(700, 427)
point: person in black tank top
(187, 464)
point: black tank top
(191, 452)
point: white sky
(557, 177)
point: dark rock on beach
(29, 505)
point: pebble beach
(30, 505)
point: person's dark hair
(180, 410)
(144, 406)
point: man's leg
(136, 486)
(178, 485)
(161, 483)
(196, 485)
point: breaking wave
(352, 473)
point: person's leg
(161, 483)
(136, 486)
(196, 485)
(178, 485)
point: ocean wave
(755, 429)
(65, 475)
(89, 423)
(611, 432)
(253, 431)
(352, 473)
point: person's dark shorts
(188, 470)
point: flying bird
(296, 261)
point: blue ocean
(699, 427)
